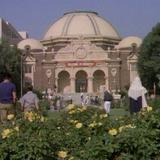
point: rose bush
(81, 133)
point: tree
(10, 60)
(149, 58)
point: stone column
(56, 84)
(107, 83)
(90, 84)
(72, 80)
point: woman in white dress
(136, 94)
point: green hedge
(81, 133)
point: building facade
(80, 52)
(9, 33)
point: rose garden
(81, 132)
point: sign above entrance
(80, 64)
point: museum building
(80, 52)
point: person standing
(29, 101)
(107, 101)
(136, 95)
(82, 99)
(86, 100)
(7, 96)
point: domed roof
(81, 23)
(129, 41)
(32, 43)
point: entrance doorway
(81, 81)
(98, 80)
(63, 81)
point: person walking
(136, 95)
(7, 97)
(86, 100)
(107, 101)
(29, 101)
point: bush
(44, 106)
(81, 133)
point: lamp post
(22, 59)
(24, 53)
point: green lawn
(114, 112)
(119, 112)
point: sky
(129, 17)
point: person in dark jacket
(107, 101)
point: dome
(81, 23)
(129, 41)
(32, 43)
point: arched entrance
(63, 81)
(81, 81)
(98, 80)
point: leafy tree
(10, 62)
(149, 58)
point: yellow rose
(6, 133)
(149, 109)
(121, 128)
(113, 132)
(79, 125)
(126, 126)
(67, 134)
(92, 125)
(10, 116)
(99, 123)
(71, 112)
(103, 116)
(71, 121)
(130, 126)
(62, 154)
(75, 121)
(31, 116)
(16, 128)
(84, 108)
(42, 119)
(70, 106)
(71, 158)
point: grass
(119, 112)
(115, 112)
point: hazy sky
(129, 17)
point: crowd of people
(89, 100)
(29, 101)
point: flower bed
(81, 133)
